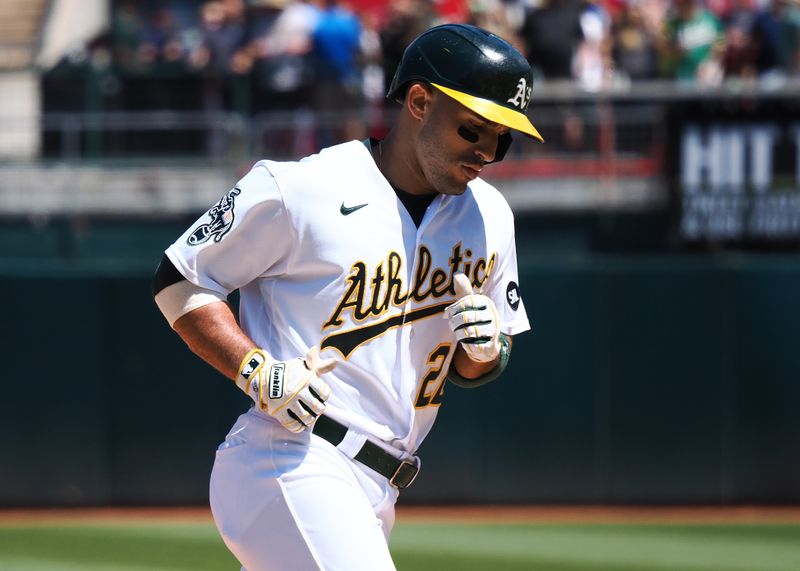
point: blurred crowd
(348, 50)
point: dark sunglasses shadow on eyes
(466, 134)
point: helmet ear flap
(503, 143)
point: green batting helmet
(476, 68)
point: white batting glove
(289, 391)
(474, 320)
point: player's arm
(212, 333)
(469, 369)
(202, 318)
(290, 391)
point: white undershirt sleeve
(182, 297)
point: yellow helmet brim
(491, 111)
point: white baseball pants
(286, 502)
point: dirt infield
(104, 515)
(602, 514)
(442, 514)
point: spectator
(741, 14)
(337, 84)
(283, 74)
(285, 64)
(634, 50)
(694, 43)
(654, 14)
(373, 83)
(236, 25)
(405, 20)
(126, 30)
(739, 58)
(160, 46)
(776, 36)
(222, 38)
(592, 65)
(501, 17)
(336, 47)
(552, 34)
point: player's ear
(417, 99)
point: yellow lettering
(421, 275)
(352, 298)
(378, 306)
(438, 279)
(387, 287)
(436, 360)
(395, 291)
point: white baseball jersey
(324, 253)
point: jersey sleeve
(245, 235)
(503, 286)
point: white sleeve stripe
(180, 298)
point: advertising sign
(735, 170)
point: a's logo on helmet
(221, 215)
(522, 96)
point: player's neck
(398, 164)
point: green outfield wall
(649, 378)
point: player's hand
(289, 391)
(474, 320)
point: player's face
(454, 144)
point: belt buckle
(405, 475)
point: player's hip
(259, 452)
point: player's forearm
(213, 334)
(470, 369)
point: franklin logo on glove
(276, 380)
(289, 391)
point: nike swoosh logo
(345, 210)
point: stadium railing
(604, 150)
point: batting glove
(474, 320)
(289, 391)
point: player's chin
(454, 188)
(457, 181)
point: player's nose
(486, 148)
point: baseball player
(369, 274)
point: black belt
(401, 473)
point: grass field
(419, 544)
